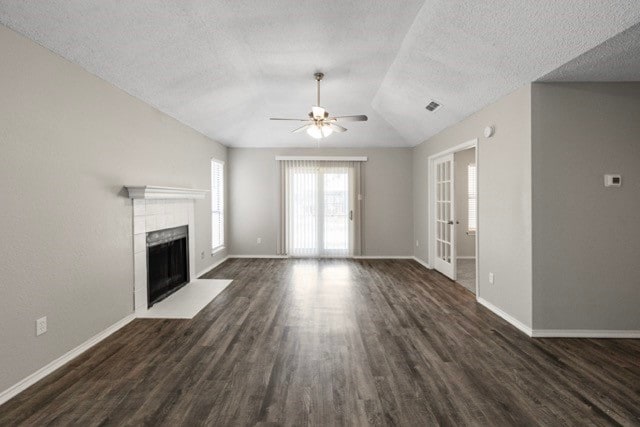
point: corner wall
(586, 241)
(70, 141)
(504, 177)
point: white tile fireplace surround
(157, 208)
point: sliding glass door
(320, 206)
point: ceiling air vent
(433, 106)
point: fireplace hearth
(167, 262)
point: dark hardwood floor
(329, 342)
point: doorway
(320, 210)
(465, 217)
(453, 213)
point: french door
(443, 216)
(320, 210)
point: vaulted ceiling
(225, 67)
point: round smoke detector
(489, 131)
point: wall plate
(613, 180)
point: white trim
(62, 360)
(421, 262)
(465, 257)
(353, 257)
(460, 147)
(258, 256)
(383, 257)
(472, 143)
(515, 322)
(218, 249)
(211, 267)
(155, 192)
(584, 333)
(326, 158)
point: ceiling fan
(320, 124)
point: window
(217, 204)
(473, 199)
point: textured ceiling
(616, 60)
(225, 67)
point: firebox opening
(167, 262)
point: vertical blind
(217, 204)
(473, 198)
(319, 208)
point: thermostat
(611, 180)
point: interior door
(444, 209)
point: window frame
(220, 212)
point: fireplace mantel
(155, 192)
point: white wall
(70, 141)
(465, 242)
(504, 176)
(586, 241)
(386, 176)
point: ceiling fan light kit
(319, 124)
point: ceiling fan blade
(318, 112)
(360, 118)
(292, 120)
(301, 128)
(337, 128)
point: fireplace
(167, 262)
(158, 209)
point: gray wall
(586, 241)
(465, 242)
(504, 176)
(387, 216)
(70, 141)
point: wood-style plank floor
(337, 342)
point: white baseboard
(465, 257)
(65, 358)
(212, 266)
(382, 257)
(515, 322)
(419, 261)
(258, 256)
(584, 333)
(354, 257)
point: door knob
(450, 222)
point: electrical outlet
(417, 243)
(41, 326)
(491, 278)
(202, 255)
(259, 240)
